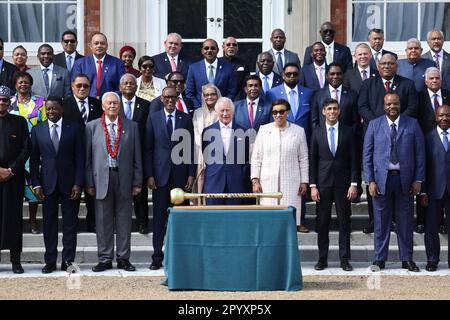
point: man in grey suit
(441, 58)
(48, 78)
(114, 177)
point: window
(400, 20)
(34, 22)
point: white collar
(440, 130)
(95, 59)
(170, 57)
(440, 53)
(167, 114)
(396, 121)
(431, 93)
(276, 52)
(335, 126)
(73, 54)
(50, 67)
(321, 66)
(328, 45)
(288, 89)
(269, 76)
(256, 101)
(133, 100)
(214, 64)
(222, 125)
(58, 123)
(108, 122)
(367, 70)
(332, 89)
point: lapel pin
(137, 107)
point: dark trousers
(69, 212)
(141, 206)
(90, 207)
(343, 211)
(370, 207)
(434, 218)
(383, 207)
(14, 255)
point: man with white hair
(414, 66)
(435, 40)
(170, 60)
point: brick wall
(91, 21)
(339, 19)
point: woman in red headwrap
(127, 55)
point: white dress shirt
(226, 132)
(333, 93)
(58, 128)
(391, 165)
(174, 58)
(441, 136)
(96, 64)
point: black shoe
(17, 268)
(420, 228)
(431, 266)
(65, 265)
(102, 266)
(368, 229)
(393, 227)
(443, 229)
(143, 229)
(49, 267)
(320, 265)
(410, 265)
(125, 265)
(155, 266)
(346, 266)
(380, 264)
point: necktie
(393, 156)
(387, 86)
(332, 141)
(279, 62)
(266, 84)
(172, 64)
(336, 95)
(46, 79)
(169, 125)
(329, 57)
(250, 113)
(436, 102)
(320, 76)
(364, 75)
(55, 138)
(83, 111)
(99, 76)
(69, 63)
(445, 140)
(211, 74)
(293, 102)
(128, 110)
(180, 105)
(436, 59)
(112, 142)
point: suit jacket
(72, 111)
(445, 68)
(289, 57)
(221, 172)
(129, 158)
(225, 80)
(262, 114)
(353, 79)
(303, 116)
(157, 105)
(342, 55)
(371, 97)
(414, 72)
(277, 80)
(57, 170)
(59, 86)
(348, 104)
(158, 149)
(340, 170)
(60, 59)
(438, 166)
(241, 70)
(140, 115)
(410, 151)
(163, 67)
(373, 64)
(426, 114)
(112, 67)
(309, 77)
(6, 75)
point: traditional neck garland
(107, 137)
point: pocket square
(13, 136)
(240, 69)
(59, 78)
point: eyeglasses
(328, 31)
(386, 64)
(70, 41)
(209, 48)
(147, 66)
(291, 74)
(175, 82)
(4, 100)
(280, 112)
(82, 85)
(231, 44)
(210, 95)
(170, 97)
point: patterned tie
(99, 76)
(329, 57)
(364, 75)
(69, 63)
(250, 113)
(83, 112)
(377, 54)
(169, 125)
(320, 76)
(436, 59)
(393, 158)
(266, 84)
(211, 74)
(293, 102)
(435, 102)
(46, 79)
(332, 141)
(336, 95)
(180, 105)
(445, 140)
(128, 110)
(387, 86)
(55, 138)
(112, 142)
(279, 61)
(172, 64)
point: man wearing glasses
(230, 53)
(7, 70)
(67, 58)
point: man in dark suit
(113, 177)
(210, 70)
(162, 172)
(335, 52)
(82, 109)
(354, 78)
(394, 169)
(57, 167)
(170, 60)
(226, 153)
(7, 70)
(104, 71)
(437, 185)
(136, 109)
(435, 40)
(268, 78)
(242, 69)
(314, 74)
(67, 58)
(177, 80)
(333, 150)
(376, 42)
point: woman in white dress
(280, 159)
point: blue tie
(211, 74)
(169, 125)
(445, 140)
(279, 62)
(332, 142)
(46, 79)
(393, 158)
(293, 102)
(266, 84)
(69, 63)
(128, 110)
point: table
(232, 250)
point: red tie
(99, 76)
(250, 113)
(179, 105)
(173, 66)
(388, 86)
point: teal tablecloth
(232, 250)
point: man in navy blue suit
(376, 42)
(210, 70)
(57, 166)
(162, 172)
(226, 154)
(170, 60)
(394, 169)
(268, 77)
(314, 74)
(104, 71)
(362, 71)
